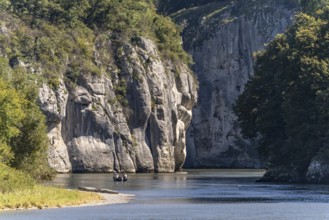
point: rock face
(53, 105)
(318, 170)
(222, 37)
(133, 120)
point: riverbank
(19, 191)
(203, 194)
(38, 199)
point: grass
(45, 197)
(19, 190)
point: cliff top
(210, 15)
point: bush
(12, 180)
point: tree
(285, 104)
(11, 116)
(31, 144)
(311, 6)
(23, 137)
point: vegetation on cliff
(62, 37)
(285, 104)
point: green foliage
(121, 92)
(23, 131)
(69, 24)
(11, 116)
(61, 37)
(285, 104)
(42, 196)
(19, 190)
(11, 180)
(311, 6)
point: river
(194, 194)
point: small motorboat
(118, 178)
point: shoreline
(107, 199)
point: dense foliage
(61, 35)
(23, 139)
(285, 104)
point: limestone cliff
(132, 120)
(222, 37)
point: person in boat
(115, 176)
(124, 177)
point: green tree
(311, 6)
(11, 116)
(31, 144)
(23, 137)
(285, 104)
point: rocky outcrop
(318, 170)
(222, 37)
(282, 174)
(53, 105)
(133, 119)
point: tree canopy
(23, 139)
(285, 104)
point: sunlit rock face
(131, 120)
(222, 37)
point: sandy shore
(110, 199)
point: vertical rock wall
(222, 38)
(133, 119)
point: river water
(194, 194)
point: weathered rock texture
(222, 37)
(132, 120)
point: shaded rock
(318, 170)
(222, 37)
(82, 96)
(283, 175)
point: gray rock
(58, 157)
(99, 128)
(222, 46)
(53, 105)
(3, 30)
(318, 170)
(82, 96)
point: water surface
(197, 194)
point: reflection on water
(195, 194)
